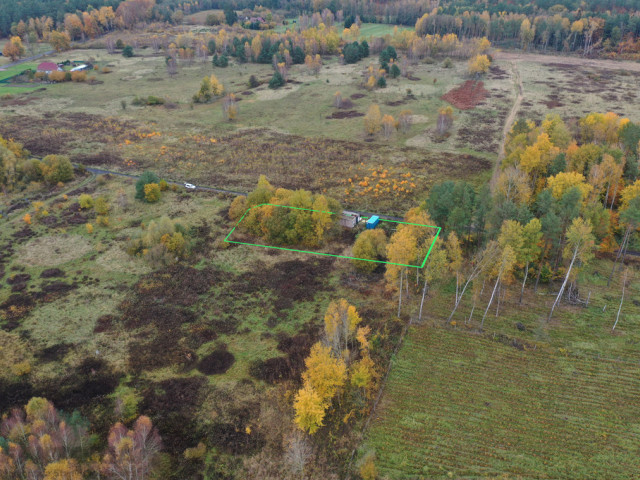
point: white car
(189, 186)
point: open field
(16, 70)
(185, 130)
(460, 405)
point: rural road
(27, 59)
(509, 121)
(100, 171)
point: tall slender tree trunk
(622, 247)
(406, 283)
(615, 191)
(474, 302)
(624, 284)
(526, 274)
(400, 295)
(424, 292)
(564, 283)
(491, 299)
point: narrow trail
(509, 121)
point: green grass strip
(331, 254)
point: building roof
(47, 67)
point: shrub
(127, 51)
(276, 81)
(21, 369)
(151, 192)
(150, 100)
(102, 220)
(119, 44)
(253, 82)
(57, 76)
(86, 201)
(145, 178)
(57, 168)
(371, 245)
(79, 76)
(106, 70)
(164, 186)
(394, 71)
(382, 82)
(89, 228)
(101, 206)
(27, 219)
(448, 63)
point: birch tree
(502, 270)
(626, 278)
(580, 242)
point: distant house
(80, 68)
(48, 67)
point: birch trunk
(564, 283)
(490, 300)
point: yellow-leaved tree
(324, 376)
(479, 65)
(373, 120)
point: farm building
(349, 219)
(48, 67)
(80, 68)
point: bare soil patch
(467, 95)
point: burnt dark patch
(172, 405)
(24, 233)
(52, 272)
(17, 306)
(105, 157)
(104, 323)
(18, 278)
(54, 353)
(178, 284)
(356, 96)
(275, 369)
(58, 288)
(216, 362)
(345, 114)
(92, 380)
(160, 349)
(14, 394)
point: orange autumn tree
(13, 49)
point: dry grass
(52, 250)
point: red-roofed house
(48, 67)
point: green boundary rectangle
(332, 254)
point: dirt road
(510, 119)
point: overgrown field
(197, 346)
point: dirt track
(567, 60)
(510, 119)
